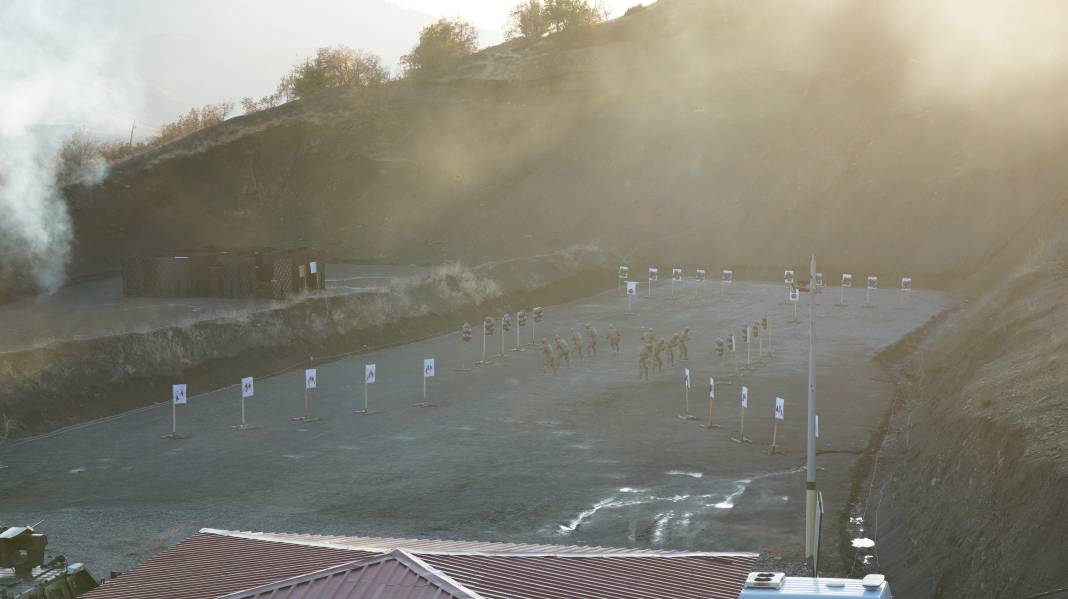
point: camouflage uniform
(562, 351)
(614, 339)
(547, 353)
(643, 361)
(671, 349)
(592, 334)
(684, 352)
(576, 343)
(657, 351)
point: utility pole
(810, 461)
(132, 127)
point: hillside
(710, 132)
(887, 139)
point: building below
(219, 563)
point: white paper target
(728, 276)
(711, 388)
(428, 368)
(795, 295)
(745, 396)
(906, 283)
(788, 277)
(701, 275)
(686, 377)
(247, 387)
(780, 408)
(733, 345)
(313, 267)
(310, 378)
(624, 272)
(632, 288)
(676, 274)
(369, 373)
(178, 395)
(847, 280)
(653, 274)
(819, 279)
(817, 425)
(873, 282)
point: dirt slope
(711, 132)
(968, 497)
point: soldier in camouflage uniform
(647, 336)
(614, 338)
(658, 351)
(684, 352)
(671, 349)
(591, 333)
(547, 354)
(643, 361)
(562, 351)
(576, 343)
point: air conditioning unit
(776, 585)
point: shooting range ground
(588, 456)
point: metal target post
(686, 383)
(711, 400)
(369, 377)
(178, 397)
(248, 389)
(310, 382)
(741, 428)
(506, 325)
(465, 338)
(780, 407)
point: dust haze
(51, 85)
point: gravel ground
(590, 455)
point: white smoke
(59, 73)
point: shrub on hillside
(442, 45)
(331, 67)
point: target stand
(305, 419)
(687, 417)
(243, 427)
(741, 439)
(424, 404)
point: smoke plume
(59, 74)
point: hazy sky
(491, 14)
(197, 52)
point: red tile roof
(213, 563)
(396, 575)
(209, 565)
(597, 576)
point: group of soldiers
(656, 350)
(560, 350)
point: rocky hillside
(692, 131)
(967, 499)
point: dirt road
(590, 455)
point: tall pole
(810, 461)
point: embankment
(965, 494)
(77, 380)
